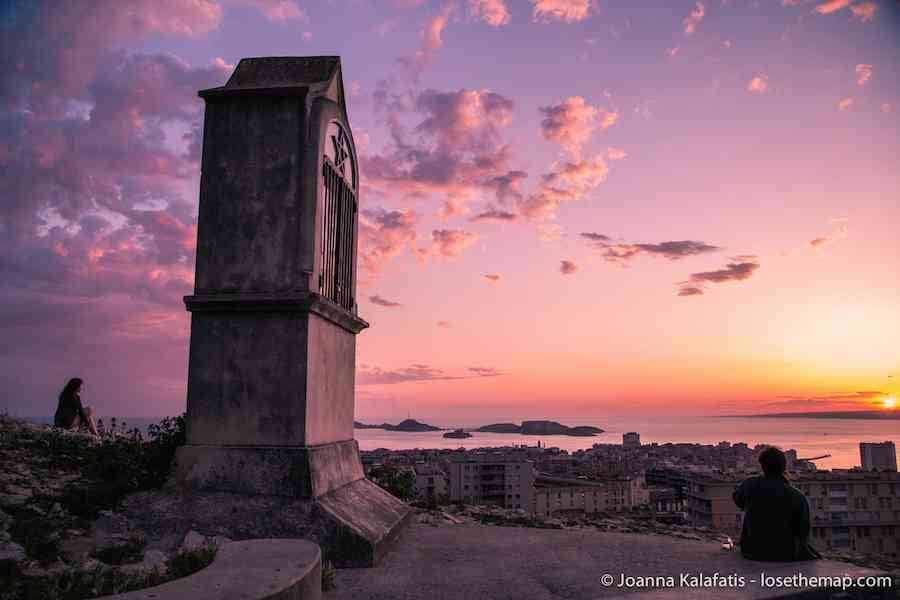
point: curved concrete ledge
(271, 569)
(449, 562)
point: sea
(837, 438)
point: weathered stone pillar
(273, 330)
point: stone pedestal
(273, 331)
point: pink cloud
(567, 11)
(566, 182)
(492, 12)
(759, 84)
(465, 119)
(379, 301)
(508, 185)
(691, 21)
(839, 232)
(433, 31)
(274, 10)
(449, 242)
(742, 267)
(549, 232)
(864, 11)
(567, 267)
(58, 47)
(831, 6)
(624, 252)
(455, 152)
(491, 213)
(572, 122)
(863, 74)
(369, 375)
(845, 104)
(383, 235)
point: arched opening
(338, 219)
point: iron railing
(338, 243)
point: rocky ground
(60, 534)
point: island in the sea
(407, 425)
(526, 428)
(541, 428)
(457, 434)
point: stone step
(268, 569)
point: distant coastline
(526, 428)
(872, 415)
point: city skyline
(567, 207)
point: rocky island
(541, 428)
(407, 425)
(457, 434)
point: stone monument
(270, 399)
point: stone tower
(274, 317)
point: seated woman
(70, 413)
(776, 514)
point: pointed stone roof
(288, 75)
(284, 71)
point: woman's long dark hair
(70, 388)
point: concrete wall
(247, 379)
(330, 378)
(249, 234)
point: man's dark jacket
(776, 520)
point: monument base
(294, 471)
(244, 492)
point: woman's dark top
(776, 520)
(69, 408)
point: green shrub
(190, 561)
(128, 551)
(102, 580)
(117, 465)
(400, 483)
(329, 576)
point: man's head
(773, 462)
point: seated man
(776, 515)
(70, 413)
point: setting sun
(890, 402)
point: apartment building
(631, 439)
(575, 496)
(881, 456)
(502, 479)
(431, 482)
(854, 510)
(708, 502)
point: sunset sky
(569, 207)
